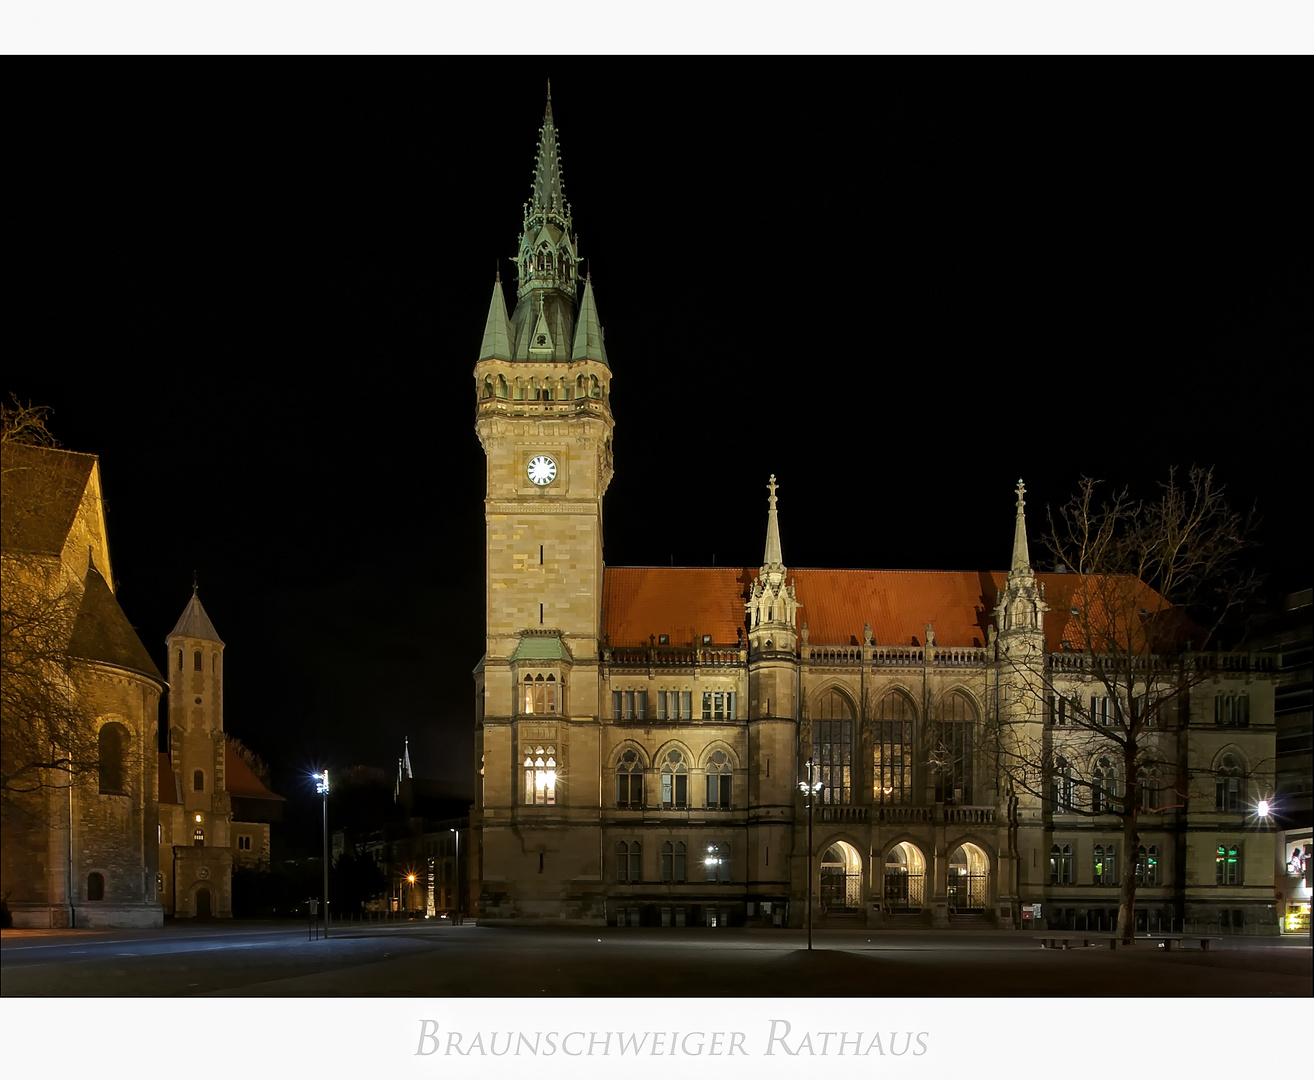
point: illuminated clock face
(542, 470)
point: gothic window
(718, 705)
(540, 694)
(488, 386)
(675, 782)
(548, 262)
(673, 862)
(629, 862)
(1227, 784)
(198, 780)
(180, 659)
(111, 749)
(719, 773)
(1232, 710)
(1103, 787)
(832, 746)
(1147, 865)
(196, 660)
(629, 781)
(1227, 865)
(95, 886)
(1105, 870)
(892, 765)
(501, 386)
(1060, 865)
(1060, 789)
(541, 776)
(716, 864)
(957, 750)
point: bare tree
(1150, 584)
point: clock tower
(542, 384)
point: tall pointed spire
(773, 558)
(588, 330)
(194, 622)
(548, 192)
(406, 758)
(1021, 556)
(497, 329)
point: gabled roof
(102, 633)
(195, 623)
(169, 795)
(240, 781)
(687, 602)
(40, 493)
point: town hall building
(642, 732)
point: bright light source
(410, 878)
(1263, 808)
(321, 782)
(198, 818)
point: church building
(642, 732)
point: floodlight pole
(322, 787)
(810, 790)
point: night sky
(258, 291)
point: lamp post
(322, 789)
(810, 789)
(456, 916)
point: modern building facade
(641, 732)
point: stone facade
(641, 733)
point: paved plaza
(415, 959)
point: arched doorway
(203, 903)
(969, 880)
(841, 879)
(905, 879)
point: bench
(1166, 941)
(1085, 940)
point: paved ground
(423, 959)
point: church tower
(542, 385)
(196, 858)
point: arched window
(198, 837)
(501, 386)
(629, 781)
(716, 863)
(1106, 865)
(892, 765)
(95, 886)
(196, 660)
(1147, 865)
(719, 773)
(1060, 865)
(675, 782)
(540, 694)
(1060, 790)
(673, 862)
(1103, 787)
(541, 776)
(629, 862)
(1227, 784)
(832, 746)
(956, 751)
(198, 780)
(112, 745)
(180, 659)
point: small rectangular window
(686, 704)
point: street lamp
(810, 789)
(410, 880)
(322, 789)
(457, 914)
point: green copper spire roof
(497, 330)
(588, 330)
(548, 192)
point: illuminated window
(629, 781)
(673, 862)
(196, 660)
(956, 751)
(719, 773)
(674, 705)
(1147, 865)
(892, 764)
(95, 886)
(629, 862)
(832, 746)
(541, 776)
(198, 838)
(540, 694)
(1227, 784)
(716, 864)
(1106, 865)
(629, 704)
(111, 745)
(198, 780)
(1227, 865)
(675, 782)
(1060, 865)
(1100, 712)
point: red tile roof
(687, 602)
(168, 794)
(239, 780)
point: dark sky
(258, 290)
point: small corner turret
(1021, 608)
(771, 605)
